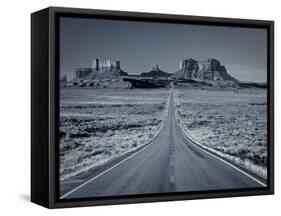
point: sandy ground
(230, 121)
(97, 125)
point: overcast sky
(140, 45)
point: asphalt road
(170, 163)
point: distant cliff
(108, 73)
(210, 70)
(101, 69)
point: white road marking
(236, 168)
(172, 163)
(119, 163)
(172, 179)
(104, 172)
(221, 159)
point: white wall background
(15, 106)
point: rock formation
(101, 69)
(63, 79)
(210, 70)
(107, 68)
(83, 72)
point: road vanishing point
(170, 163)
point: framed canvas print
(139, 107)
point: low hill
(155, 72)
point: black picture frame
(45, 105)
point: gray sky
(140, 45)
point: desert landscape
(232, 122)
(98, 125)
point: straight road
(170, 163)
